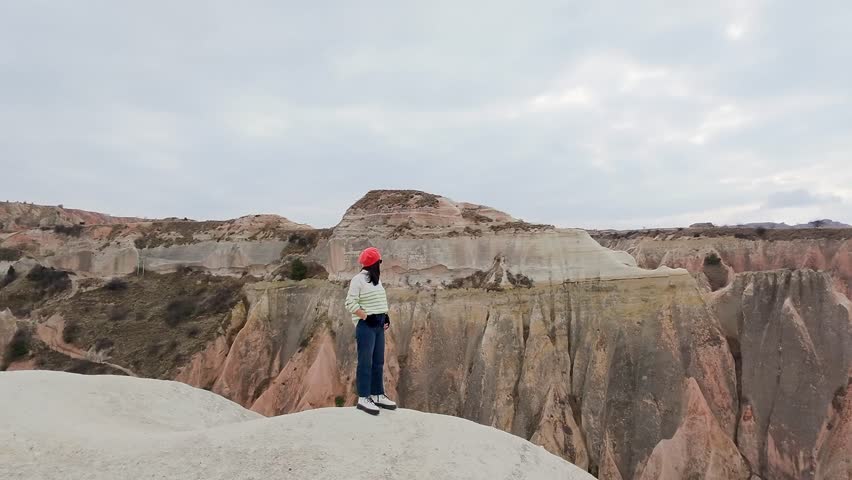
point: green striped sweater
(366, 296)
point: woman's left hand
(387, 322)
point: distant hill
(823, 223)
(15, 216)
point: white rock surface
(58, 425)
(427, 238)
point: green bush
(761, 231)
(49, 279)
(179, 310)
(298, 270)
(70, 332)
(116, 284)
(339, 401)
(9, 254)
(20, 345)
(712, 259)
(71, 230)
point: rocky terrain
(691, 353)
(727, 251)
(63, 426)
(16, 216)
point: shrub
(9, 277)
(116, 284)
(339, 401)
(49, 279)
(71, 230)
(741, 236)
(70, 332)
(712, 259)
(179, 310)
(20, 345)
(298, 270)
(184, 270)
(118, 312)
(220, 300)
(193, 331)
(103, 344)
(761, 231)
(9, 254)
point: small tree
(20, 345)
(712, 259)
(116, 284)
(298, 270)
(179, 310)
(9, 254)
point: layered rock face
(794, 336)
(782, 301)
(742, 250)
(579, 368)
(628, 372)
(251, 245)
(428, 239)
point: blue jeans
(371, 358)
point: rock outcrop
(793, 336)
(16, 216)
(699, 449)
(741, 250)
(427, 239)
(559, 365)
(629, 367)
(249, 245)
(57, 425)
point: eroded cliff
(629, 372)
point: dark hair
(374, 272)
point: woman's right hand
(361, 314)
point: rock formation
(629, 367)
(16, 216)
(741, 250)
(58, 425)
(794, 336)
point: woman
(368, 304)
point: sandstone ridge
(429, 239)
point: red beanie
(369, 256)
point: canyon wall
(651, 355)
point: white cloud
(571, 97)
(636, 105)
(735, 31)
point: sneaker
(383, 402)
(366, 404)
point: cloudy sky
(591, 114)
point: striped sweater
(366, 296)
